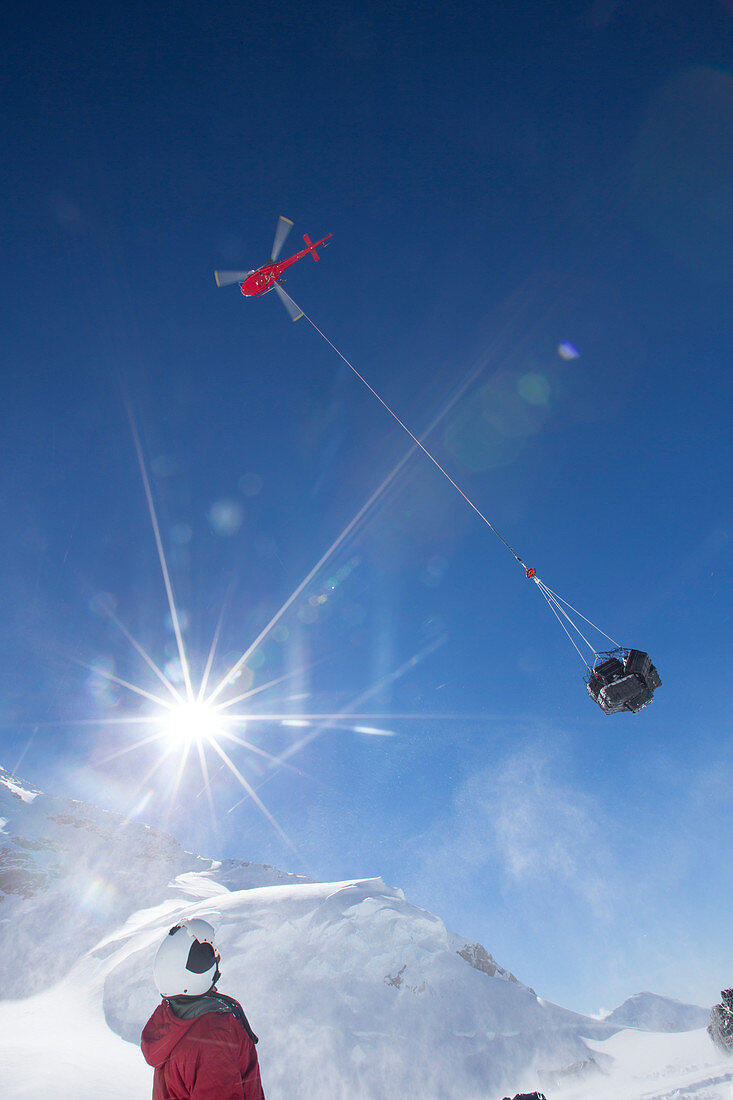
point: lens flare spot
(257, 659)
(534, 389)
(568, 351)
(174, 671)
(374, 731)
(226, 517)
(243, 676)
(99, 897)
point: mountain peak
(652, 1012)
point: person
(198, 1041)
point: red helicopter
(265, 278)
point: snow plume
(544, 830)
(525, 826)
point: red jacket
(208, 1058)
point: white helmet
(187, 962)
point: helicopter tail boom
(312, 247)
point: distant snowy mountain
(649, 1012)
(355, 992)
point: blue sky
(499, 180)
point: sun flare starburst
(186, 724)
(192, 723)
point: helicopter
(263, 279)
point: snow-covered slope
(355, 992)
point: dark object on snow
(527, 1096)
(720, 1028)
(625, 679)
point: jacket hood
(161, 1034)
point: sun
(192, 723)
(193, 716)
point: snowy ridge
(348, 984)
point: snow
(348, 984)
(661, 1067)
(57, 1044)
(15, 788)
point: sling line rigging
(556, 603)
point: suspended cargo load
(625, 679)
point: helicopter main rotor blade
(295, 311)
(226, 278)
(284, 225)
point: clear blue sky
(500, 179)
